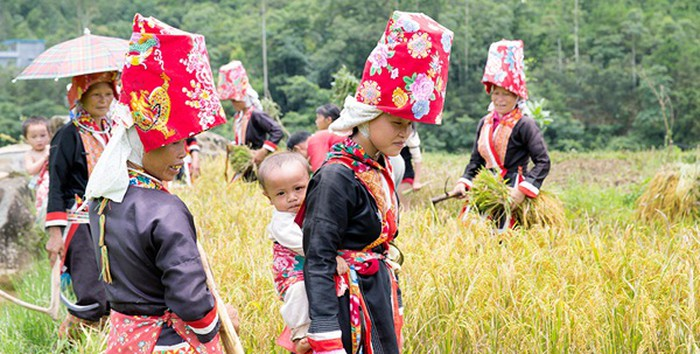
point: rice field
(604, 281)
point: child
(320, 143)
(36, 161)
(298, 142)
(284, 177)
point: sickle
(52, 310)
(445, 196)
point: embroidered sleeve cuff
(56, 218)
(326, 342)
(467, 183)
(206, 325)
(268, 145)
(529, 189)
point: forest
(613, 75)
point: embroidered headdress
(168, 95)
(167, 84)
(406, 73)
(505, 67)
(233, 81)
(81, 83)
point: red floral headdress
(406, 73)
(168, 85)
(505, 67)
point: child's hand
(342, 266)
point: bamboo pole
(229, 337)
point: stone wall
(18, 237)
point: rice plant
(605, 282)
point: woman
(145, 236)
(506, 138)
(251, 126)
(351, 206)
(74, 152)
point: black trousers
(81, 264)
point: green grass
(604, 283)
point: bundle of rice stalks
(240, 159)
(674, 193)
(490, 196)
(546, 209)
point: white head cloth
(110, 178)
(354, 114)
(252, 98)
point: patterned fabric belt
(287, 268)
(367, 264)
(139, 334)
(78, 217)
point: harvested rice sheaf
(490, 195)
(545, 210)
(240, 159)
(673, 193)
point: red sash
(139, 334)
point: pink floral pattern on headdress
(233, 81)
(406, 73)
(505, 67)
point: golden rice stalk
(489, 195)
(546, 210)
(240, 158)
(674, 192)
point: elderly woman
(351, 206)
(251, 126)
(74, 152)
(506, 138)
(145, 236)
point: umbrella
(83, 55)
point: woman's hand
(459, 191)
(302, 346)
(55, 243)
(517, 196)
(416, 185)
(259, 155)
(342, 265)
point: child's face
(286, 186)
(37, 136)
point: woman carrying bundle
(506, 138)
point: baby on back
(284, 178)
